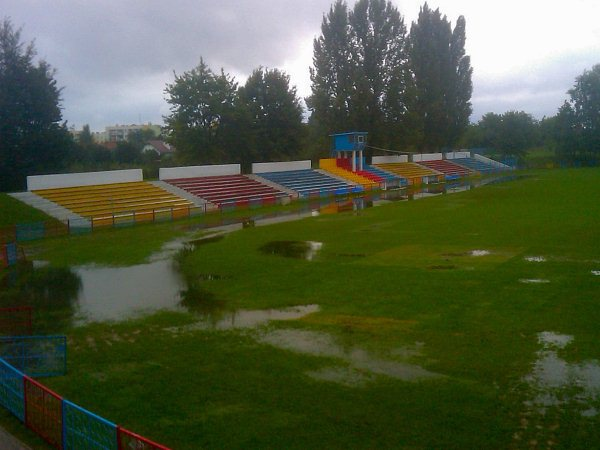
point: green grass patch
(14, 211)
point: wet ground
(95, 293)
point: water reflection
(358, 365)
(293, 249)
(556, 382)
(246, 318)
(115, 293)
(329, 205)
(51, 291)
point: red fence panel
(43, 412)
(15, 321)
(3, 256)
(131, 441)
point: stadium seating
(451, 170)
(337, 168)
(309, 182)
(108, 200)
(475, 164)
(229, 189)
(413, 173)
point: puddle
(293, 249)
(247, 318)
(535, 259)
(479, 252)
(52, 291)
(359, 365)
(114, 293)
(533, 281)
(556, 382)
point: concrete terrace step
(52, 209)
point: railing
(38, 230)
(61, 423)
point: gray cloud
(114, 58)
(539, 90)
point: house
(161, 148)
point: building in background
(118, 133)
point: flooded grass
(307, 250)
(396, 356)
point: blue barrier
(85, 430)
(12, 390)
(30, 231)
(11, 253)
(36, 356)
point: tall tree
(275, 115)
(202, 110)
(380, 69)
(331, 74)
(32, 139)
(442, 75)
(585, 104)
(360, 75)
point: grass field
(459, 321)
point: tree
(274, 116)
(202, 110)
(585, 104)
(380, 70)
(331, 74)
(442, 75)
(32, 139)
(508, 134)
(360, 79)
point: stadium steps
(307, 182)
(49, 207)
(451, 170)
(415, 174)
(225, 189)
(331, 165)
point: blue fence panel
(30, 231)
(12, 391)
(11, 254)
(85, 430)
(36, 356)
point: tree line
(410, 89)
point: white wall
(426, 157)
(281, 166)
(36, 182)
(170, 173)
(454, 155)
(389, 159)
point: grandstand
(415, 174)
(229, 189)
(107, 201)
(340, 167)
(451, 170)
(474, 164)
(308, 182)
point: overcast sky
(114, 57)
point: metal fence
(24, 232)
(36, 356)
